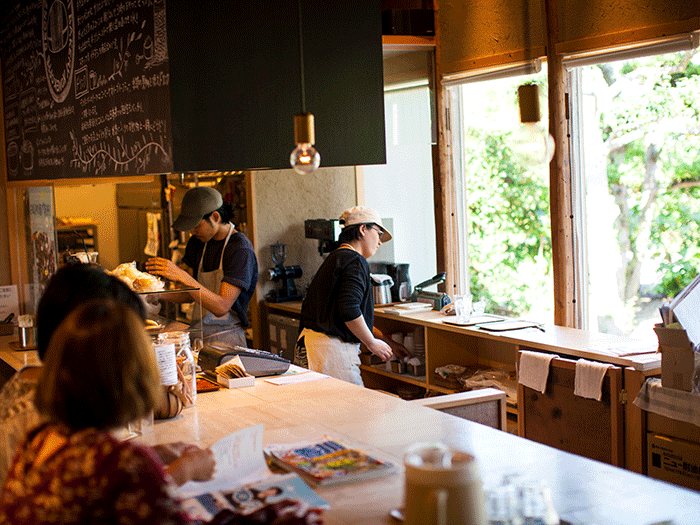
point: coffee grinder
(287, 290)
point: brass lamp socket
(304, 128)
(529, 103)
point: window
(635, 142)
(402, 189)
(503, 251)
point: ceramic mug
(443, 485)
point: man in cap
(219, 260)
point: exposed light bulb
(531, 143)
(304, 158)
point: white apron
(333, 357)
(227, 328)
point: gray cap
(196, 203)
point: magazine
(249, 498)
(327, 461)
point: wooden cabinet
(560, 419)
(612, 430)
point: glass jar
(186, 365)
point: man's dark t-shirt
(240, 266)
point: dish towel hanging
(588, 381)
(534, 369)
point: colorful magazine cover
(328, 461)
(249, 498)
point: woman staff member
(338, 311)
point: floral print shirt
(87, 476)
(17, 415)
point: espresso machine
(285, 275)
(326, 231)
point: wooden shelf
(404, 378)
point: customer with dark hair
(219, 261)
(338, 311)
(69, 288)
(72, 286)
(100, 374)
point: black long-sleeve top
(340, 291)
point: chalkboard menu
(85, 88)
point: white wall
(402, 189)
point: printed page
(239, 460)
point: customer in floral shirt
(99, 375)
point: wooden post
(444, 194)
(560, 180)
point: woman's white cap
(363, 215)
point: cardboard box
(677, 358)
(398, 367)
(673, 460)
(237, 382)
(370, 359)
(416, 370)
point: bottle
(186, 366)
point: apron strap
(221, 261)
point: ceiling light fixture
(304, 158)
(531, 143)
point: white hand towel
(534, 369)
(588, 381)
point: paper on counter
(295, 378)
(239, 460)
(625, 348)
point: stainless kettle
(381, 288)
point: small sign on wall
(9, 302)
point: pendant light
(531, 143)
(304, 158)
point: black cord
(301, 62)
(84, 245)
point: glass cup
(463, 306)
(478, 307)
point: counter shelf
(171, 312)
(471, 346)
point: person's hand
(381, 349)
(165, 268)
(169, 452)
(195, 464)
(399, 350)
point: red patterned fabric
(86, 477)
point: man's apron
(226, 329)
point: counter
(584, 491)
(624, 433)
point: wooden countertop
(584, 491)
(558, 339)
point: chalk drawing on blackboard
(58, 46)
(28, 103)
(123, 54)
(125, 158)
(160, 37)
(27, 156)
(13, 158)
(81, 82)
